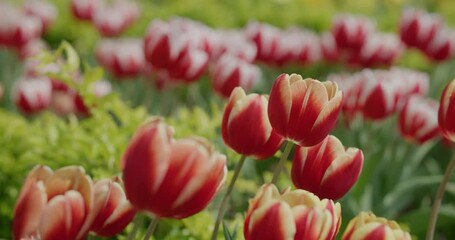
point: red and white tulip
(43, 10)
(33, 95)
(446, 112)
(351, 32)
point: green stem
(225, 200)
(438, 200)
(136, 224)
(151, 228)
(283, 158)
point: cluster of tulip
(428, 33)
(21, 27)
(376, 94)
(110, 18)
(35, 91)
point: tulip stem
(225, 200)
(438, 200)
(283, 158)
(151, 228)
(136, 224)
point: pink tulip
(246, 128)
(54, 205)
(328, 169)
(446, 112)
(170, 178)
(230, 72)
(303, 110)
(294, 214)
(113, 211)
(418, 119)
(33, 95)
(367, 226)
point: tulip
(54, 205)
(294, 214)
(418, 28)
(351, 32)
(17, 28)
(112, 20)
(446, 112)
(43, 10)
(167, 178)
(191, 66)
(303, 110)
(379, 49)
(442, 46)
(112, 210)
(328, 169)
(266, 37)
(230, 72)
(367, 226)
(85, 9)
(234, 43)
(32, 95)
(418, 120)
(329, 48)
(245, 127)
(32, 48)
(123, 57)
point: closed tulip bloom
(246, 128)
(112, 20)
(442, 46)
(379, 49)
(294, 214)
(230, 72)
(418, 28)
(54, 205)
(266, 37)
(351, 32)
(366, 226)
(446, 113)
(328, 169)
(84, 9)
(43, 10)
(17, 28)
(167, 178)
(418, 119)
(303, 110)
(33, 95)
(191, 66)
(113, 211)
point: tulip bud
(294, 214)
(418, 120)
(303, 110)
(54, 205)
(367, 226)
(33, 95)
(230, 72)
(246, 128)
(172, 179)
(446, 113)
(328, 169)
(113, 211)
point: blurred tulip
(32, 95)
(418, 28)
(99, 88)
(112, 210)
(54, 205)
(329, 48)
(17, 28)
(446, 112)
(111, 20)
(294, 214)
(190, 67)
(328, 169)
(168, 178)
(296, 45)
(246, 128)
(378, 49)
(233, 43)
(43, 10)
(367, 226)
(266, 37)
(351, 32)
(303, 110)
(230, 72)
(32, 48)
(418, 119)
(123, 57)
(442, 45)
(84, 9)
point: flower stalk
(283, 158)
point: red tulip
(54, 205)
(123, 57)
(442, 46)
(266, 37)
(246, 128)
(84, 9)
(418, 120)
(367, 226)
(33, 95)
(351, 32)
(446, 113)
(167, 178)
(296, 46)
(190, 67)
(294, 214)
(43, 10)
(379, 49)
(418, 28)
(112, 210)
(303, 110)
(230, 72)
(328, 169)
